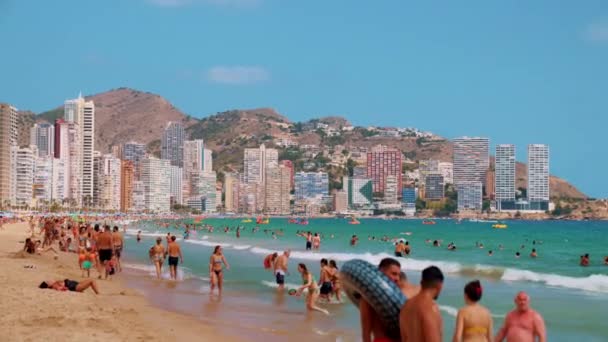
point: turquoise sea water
(573, 299)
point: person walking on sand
(309, 283)
(523, 323)
(420, 319)
(105, 246)
(157, 255)
(175, 256)
(215, 269)
(473, 322)
(280, 268)
(118, 246)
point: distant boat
(353, 220)
(428, 222)
(499, 226)
(483, 221)
(247, 221)
(260, 220)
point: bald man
(522, 324)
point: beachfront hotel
(256, 161)
(469, 195)
(23, 174)
(176, 185)
(505, 177)
(382, 163)
(8, 139)
(311, 185)
(434, 187)
(42, 186)
(538, 177)
(278, 187)
(127, 174)
(172, 144)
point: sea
(572, 299)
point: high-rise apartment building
(256, 161)
(504, 172)
(447, 171)
(110, 175)
(138, 196)
(8, 139)
(203, 194)
(176, 185)
(42, 187)
(126, 185)
(311, 185)
(471, 159)
(427, 167)
(409, 195)
(434, 187)
(391, 190)
(383, 164)
(278, 185)
(24, 164)
(133, 151)
(469, 195)
(172, 144)
(155, 176)
(538, 177)
(197, 157)
(42, 135)
(58, 193)
(289, 164)
(340, 201)
(231, 193)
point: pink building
(382, 164)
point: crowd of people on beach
(99, 247)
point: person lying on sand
(32, 247)
(70, 285)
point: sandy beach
(116, 314)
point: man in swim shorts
(371, 326)
(420, 319)
(69, 285)
(175, 256)
(118, 245)
(308, 241)
(280, 268)
(325, 280)
(105, 245)
(523, 323)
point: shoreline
(117, 313)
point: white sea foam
(452, 311)
(208, 243)
(182, 273)
(241, 247)
(287, 285)
(593, 283)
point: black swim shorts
(280, 278)
(398, 254)
(173, 261)
(308, 245)
(70, 284)
(105, 255)
(326, 288)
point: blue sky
(515, 71)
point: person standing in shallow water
(308, 283)
(215, 268)
(473, 322)
(523, 323)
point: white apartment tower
(24, 164)
(176, 184)
(538, 176)
(278, 186)
(155, 176)
(256, 161)
(505, 177)
(42, 136)
(196, 156)
(471, 159)
(110, 179)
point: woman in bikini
(308, 282)
(215, 268)
(336, 284)
(474, 322)
(157, 255)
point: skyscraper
(471, 159)
(43, 179)
(505, 177)
(434, 187)
(231, 194)
(133, 151)
(126, 185)
(538, 177)
(382, 164)
(23, 174)
(278, 186)
(391, 190)
(172, 144)
(8, 139)
(469, 195)
(155, 177)
(256, 161)
(196, 156)
(289, 164)
(110, 174)
(42, 136)
(176, 185)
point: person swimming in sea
(585, 260)
(517, 255)
(490, 253)
(533, 254)
(606, 260)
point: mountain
(125, 114)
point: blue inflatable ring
(360, 279)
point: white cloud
(225, 3)
(238, 75)
(597, 32)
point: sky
(517, 72)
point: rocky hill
(126, 114)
